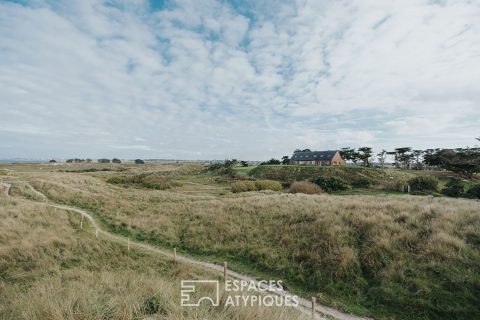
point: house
(318, 158)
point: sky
(207, 79)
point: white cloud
(200, 79)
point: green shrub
(422, 184)
(116, 180)
(305, 187)
(268, 185)
(154, 181)
(145, 180)
(474, 191)
(330, 184)
(3, 173)
(152, 305)
(243, 186)
(454, 188)
(362, 182)
(436, 194)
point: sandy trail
(322, 312)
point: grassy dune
(403, 257)
(50, 269)
(354, 176)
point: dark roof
(314, 155)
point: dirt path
(323, 312)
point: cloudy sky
(206, 79)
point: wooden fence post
(313, 308)
(128, 244)
(225, 265)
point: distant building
(318, 158)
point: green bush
(305, 187)
(145, 180)
(116, 180)
(154, 181)
(243, 186)
(422, 184)
(3, 173)
(474, 191)
(436, 195)
(362, 182)
(454, 188)
(330, 184)
(268, 185)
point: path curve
(323, 312)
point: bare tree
(382, 156)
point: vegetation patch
(306, 187)
(146, 180)
(423, 184)
(247, 185)
(357, 177)
(331, 184)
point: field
(380, 255)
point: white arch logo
(188, 287)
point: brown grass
(388, 256)
(305, 187)
(50, 269)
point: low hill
(354, 176)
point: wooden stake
(174, 254)
(225, 271)
(128, 244)
(313, 308)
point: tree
(116, 160)
(230, 163)
(271, 161)
(69, 160)
(404, 156)
(88, 160)
(139, 161)
(285, 160)
(103, 160)
(382, 156)
(465, 162)
(244, 163)
(364, 154)
(349, 154)
(306, 150)
(52, 161)
(417, 154)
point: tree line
(101, 160)
(464, 161)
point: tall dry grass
(50, 269)
(388, 256)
